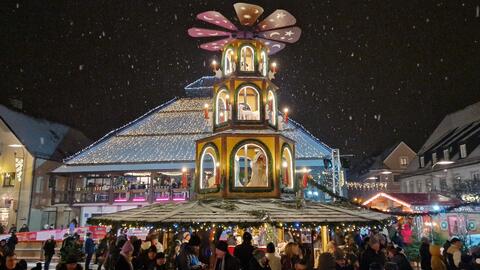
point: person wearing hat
(341, 261)
(148, 259)
(186, 237)
(244, 251)
(454, 253)
(223, 259)
(160, 262)
(372, 254)
(124, 261)
(188, 259)
(152, 240)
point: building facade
(29, 150)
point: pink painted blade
(201, 32)
(216, 18)
(215, 45)
(248, 13)
(273, 46)
(290, 34)
(278, 19)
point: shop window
(248, 104)
(222, 110)
(251, 166)
(287, 168)
(8, 179)
(247, 59)
(208, 172)
(263, 67)
(228, 64)
(271, 109)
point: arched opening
(251, 166)
(247, 56)
(228, 63)
(263, 63)
(208, 171)
(222, 109)
(287, 168)
(248, 104)
(271, 108)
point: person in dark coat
(148, 258)
(400, 259)
(89, 250)
(425, 256)
(49, 251)
(372, 254)
(24, 228)
(10, 262)
(12, 242)
(160, 262)
(259, 261)
(124, 261)
(244, 251)
(188, 259)
(223, 260)
(38, 266)
(71, 263)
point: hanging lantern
(205, 110)
(214, 65)
(285, 116)
(285, 177)
(217, 173)
(273, 67)
(184, 177)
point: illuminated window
(271, 109)
(263, 63)
(251, 166)
(247, 59)
(403, 161)
(446, 154)
(228, 62)
(222, 107)
(287, 168)
(422, 161)
(208, 170)
(463, 151)
(248, 104)
(434, 158)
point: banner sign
(98, 232)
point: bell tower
(247, 156)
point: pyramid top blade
(216, 18)
(273, 46)
(215, 45)
(201, 32)
(278, 19)
(247, 13)
(290, 34)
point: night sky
(364, 74)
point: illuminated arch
(287, 168)
(247, 58)
(222, 110)
(208, 168)
(248, 103)
(271, 108)
(264, 63)
(251, 165)
(228, 62)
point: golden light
(184, 169)
(205, 106)
(217, 164)
(285, 110)
(227, 96)
(284, 164)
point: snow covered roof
(168, 134)
(42, 138)
(202, 87)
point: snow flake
(80, 67)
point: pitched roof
(168, 133)
(376, 162)
(202, 87)
(42, 138)
(240, 211)
(420, 199)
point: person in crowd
(3, 248)
(12, 242)
(22, 265)
(188, 257)
(148, 259)
(446, 245)
(152, 240)
(291, 255)
(223, 260)
(425, 257)
(10, 262)
(326, 261)
(89, 250)
(301, 265)
(71, 263)
(372, 254)
(273, 258)
(454, 254)
(186, 237)
(124, 261)
(38, 266)
(244, 251)
(341, 262)
(259, 261)
(160, 262)
(466, 262)
(400, 259)
(101, 252)
(24, 228)
(49, 250)
(437, 262)
(13, 229)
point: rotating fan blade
(278, 19)
(201, 32)
(273, 46)
(215, 45)
(290, 34)
(248, 13)
(216, 18)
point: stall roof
(240, 211)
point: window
(446, 154)
(228, 63)
(443, 184)
(476, 176)
(251, 166)
(411, 186)
(208, 168)
(422, 161)
(463, 151)
(434, 158)
(287, 168)
(403, 162)
(263, 67)
(248, 104)
(419, 186)
(8, 179)
(247, 59)
(271, 109)
(222, 109)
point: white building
(449, 161)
